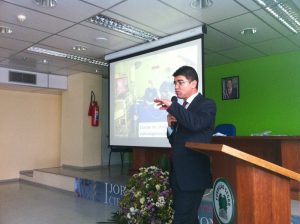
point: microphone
(174, 99)
(174, 124)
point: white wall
(30, 131)
(81, 143)
(42, 129)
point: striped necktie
(184, 104)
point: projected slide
(134, 83)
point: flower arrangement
(147, 198)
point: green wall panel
(269, 94)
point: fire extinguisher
(95, 114)
(94, 110)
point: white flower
(157, 186)
(161, 202)
(161, 199)
(137, 194)
(133, 210)
(142, 200)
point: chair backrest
(226, 129)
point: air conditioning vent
(22, 77)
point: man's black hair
(188, 72)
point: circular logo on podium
(223, 201)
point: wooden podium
(261, 188)
(281, 150)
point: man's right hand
(164, 104)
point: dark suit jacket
(195, 124)
(233, 95)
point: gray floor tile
(22, 203)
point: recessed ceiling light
(5, 29)
(101, 38)
(46, 3)
(45, 61)
(21, 18)
(79, 48)
(201, 4)
(248, 31)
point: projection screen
(134, 83)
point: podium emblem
(223, 201)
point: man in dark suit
(190, 172)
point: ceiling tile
(23, 33)
(89, 35)
(103, 3)
(242, 53)
(251, 5)
(29, 64)
(112, 32)
(66, 44)
(295, 39)
(276, 46)
(71, 10)
(271, 21)
(67, 72)
(216, 41)
(87, 68)
(211, 14)
(233, 26)
(12, 44)
(297, 3)
(216, 59)
(52, 60)
(34, 20)
(5, 53)
(160, 19)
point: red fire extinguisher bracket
(91, 103)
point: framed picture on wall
(230, 88)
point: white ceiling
(62, 27)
